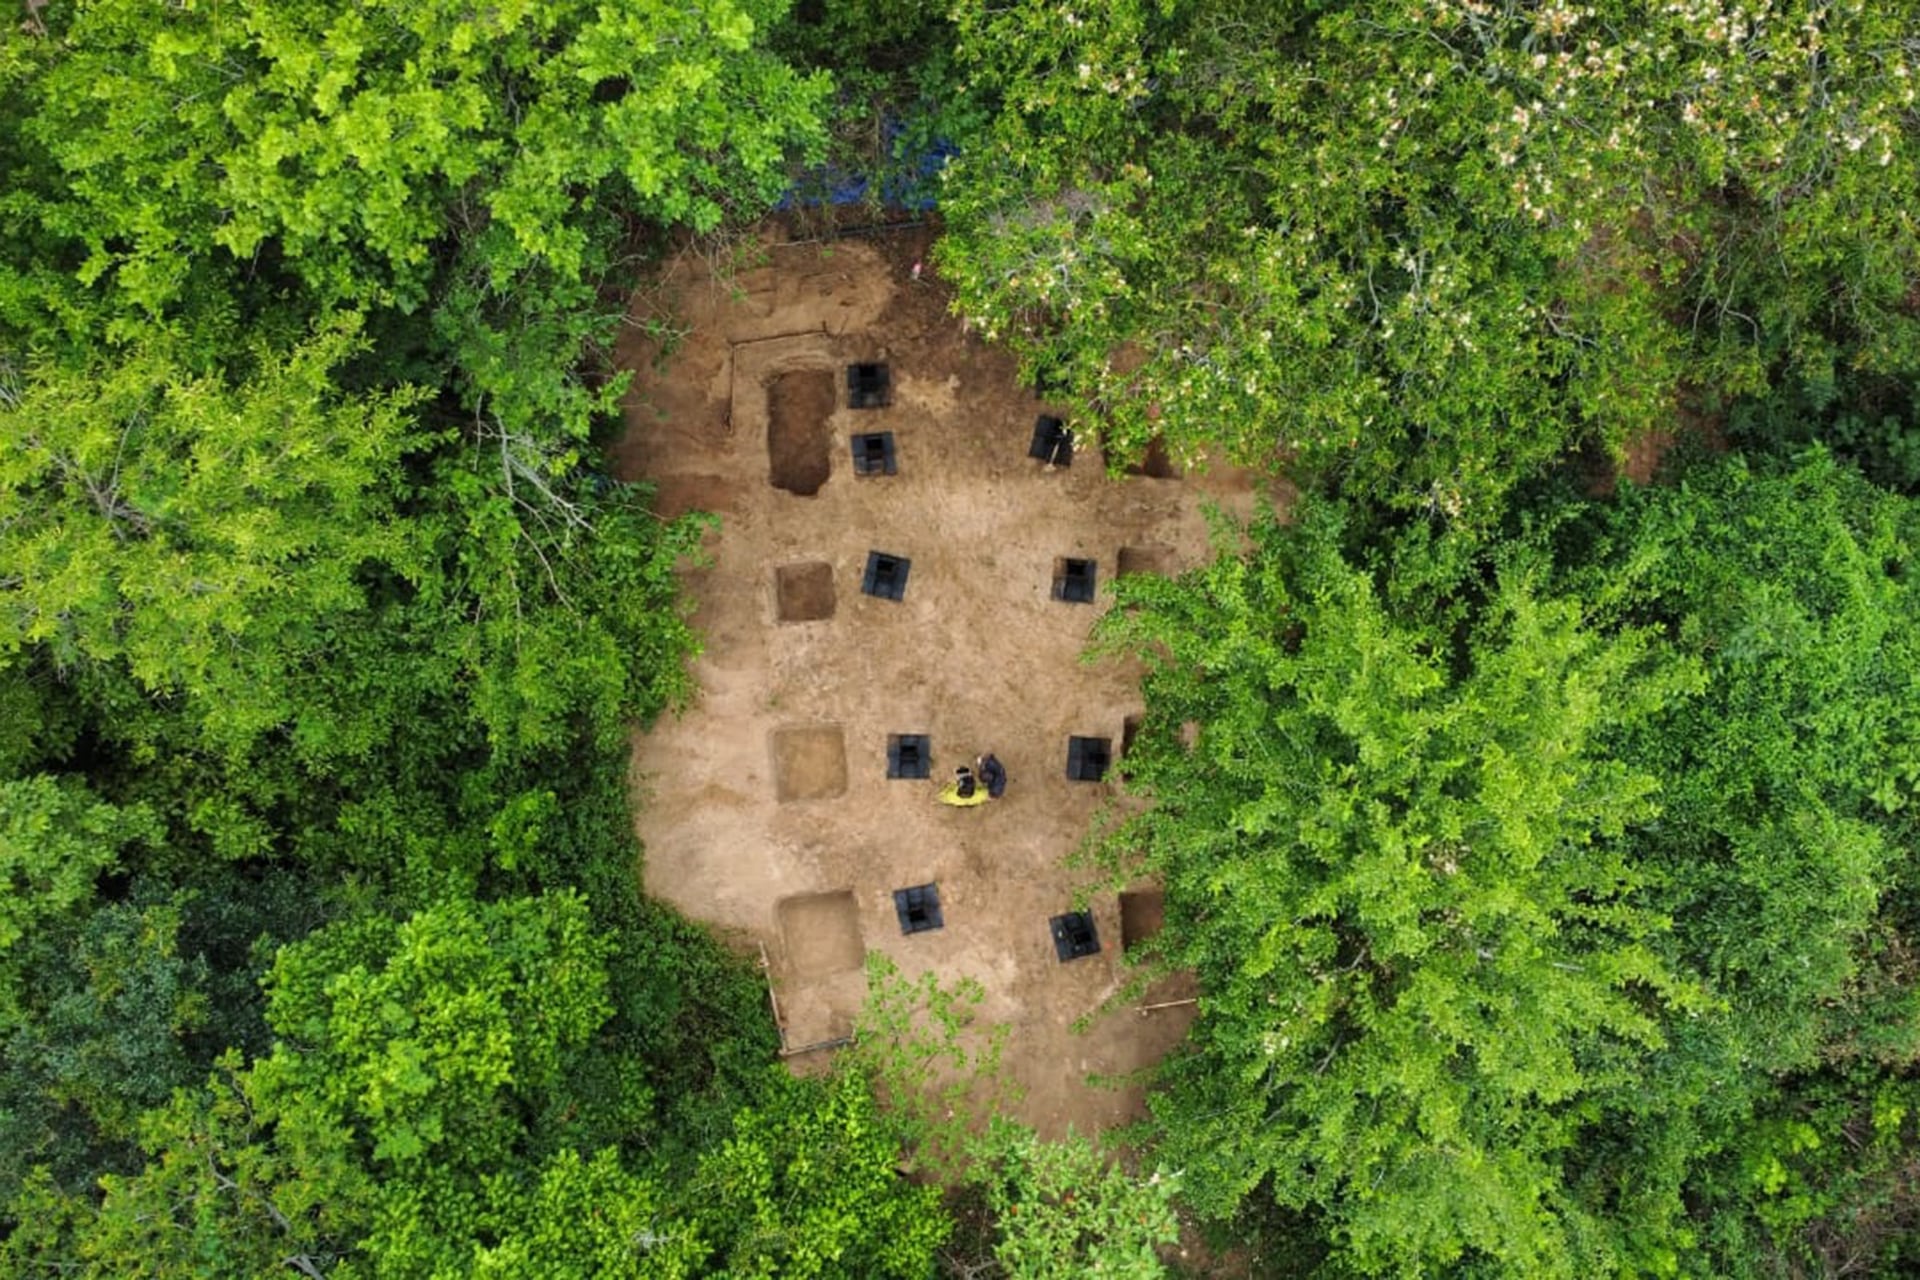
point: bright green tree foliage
(197, 532)
(408, 1052)
(357, 140)
(56, 840)
(313, 573)
(806, 1186)
(1785, 857)
(1065, 1209)
(232, 543)
(584, 1219)
(234, 176)
(1426, 246)
(1479, 996)
(406, 1034)
(477, 170)
(1393, 858)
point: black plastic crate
(873, 454)
(1052, 442)
(886, 576)
(1074, 936)
(919, 908)
(909, 755)
(1088, 758)
(1074, 581)
(868, 386)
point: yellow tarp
(950, 794)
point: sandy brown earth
(766, 808)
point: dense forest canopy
(1422, 248)
(1545, 852)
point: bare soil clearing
(766, 808)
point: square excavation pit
(821, 933)
(803, 592)
(1074, 935)
(867, 386)
(1074, 581)
(798, 406)
(1088, 758)
(873, 454)
(909, 755)
(886, 576)
(1052, 442)
(1151, 558)
(918, 908)
(1141, 915)
(809, 763)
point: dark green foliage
(322, 630)
(1870, 418)
(99, 1033)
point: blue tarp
(909, 183)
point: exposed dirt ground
(766, 808)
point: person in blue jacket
(992, 774)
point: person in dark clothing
(964, 791)
(993, 774)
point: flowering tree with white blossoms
(1425, 246)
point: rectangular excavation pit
(918, 908)
(886, 576)
(1154, 464)
(1074, 935)
(1129, 730)
(868, 386)
(1088, 758)
(803, 592)
(1074, 581)
(1148, 558)
(873, 454)
(798, 406)
(1141, 915)
(909, 755)
(809, 763)
(821, 933)
(1052, 442)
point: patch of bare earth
(1646, 451)
(766, 808)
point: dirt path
(767, 808)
